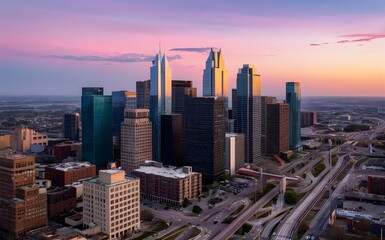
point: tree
(146, 215)
(197, 209)
(185, 202)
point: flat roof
(168, 172)
(70, 165)
(97, 181)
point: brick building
(60, 200)
(67, 173)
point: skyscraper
(160, 98)
(71, 126)
(173, 139)
(205, 136)
(136, 139)
(96, 126)
(120, 101)
(248, 119)
(215, 80)
(180, 90)
(143, 94)
(293, 98)
(235, 152)
(264, 101)
(277, 128)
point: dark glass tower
(264, 101)
(71, 126)
(172, 140)
(96, 126)
(293, 98)
(205, 136)
(143, 94)
(181, 90)
(248, 119)
(277, 128)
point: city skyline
(57, 48)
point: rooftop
(168, 172)
(14, 156)
(70, 165)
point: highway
(287, 228)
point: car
(215, 222)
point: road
(288, 227)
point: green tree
(146, 215)
(197, 209)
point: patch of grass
(234, 214)
(360, 162)
(174, 233)
(334, 160)
(244, 229)
(162, 225)
(292, 197)
(318, 169)
(266, 189)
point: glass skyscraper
(96, 126)
(160, 98)
(293, 98)
(248, 119)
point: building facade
(160, 98)
(180, 90)
(71, 126)
(67, 173)
(60, 200)
(308, 119)
(96, 127)
(169, 185)
(24, 138)
(112, 202)
(136, 146)
(264, 101)
(143, 94)
(205, 136)
(277, 133)
(235, 152)
(248, 119)
(215, 77)
(172, 139)
(293, 98)
(68, 149)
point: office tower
(181, 90)
(205, 136)
(235, 152)
(143, 94)
(24, 139)
(67, 173)
(172, 140)
(96, 127)
(293, 98)
(111, 201)
(264, 101)
(23, 205)
(249, 111)
(71, 126)
(169, 185)
(120, 101)
(308, 119)
(160, 98)
(136, 139)
(234, 102)
(277, 130)
(215, 78)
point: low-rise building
(67, 173)
(169, 185)
(23, 138)
(60, 200)
(67, 149)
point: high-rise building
(96, 127)
(136, 139)
(277, 128)
(71, 126)
(308, 119)
(173, 140)
(293, 98)
(235, 152)
(205, 136)
(160, 98)
(112, 202)
(181, 90)
(215, 79)
(248, 119)
(24, 139)
(23, 206)
(264, 101)
(143, 94)
(120, 101)
(169, 185)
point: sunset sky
(333, 47)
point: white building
(112, 202)
(136, 139)
(235, 152)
